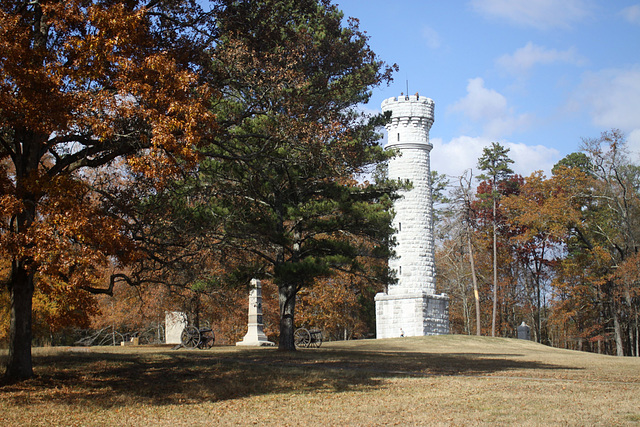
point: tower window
(398, 137)
(399, 226)
(399, 270)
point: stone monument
(524, 332)
(174, 324)
(255, 335)
(411, 307)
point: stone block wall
(414, 263)
(411, 315)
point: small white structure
(410, 307)
(255, 335)
(524, 332)
(174, 324)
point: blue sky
(535, 75)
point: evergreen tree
(285, 168)
(280, 179)
(495, 164)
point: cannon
(193, 337)
(308, 338)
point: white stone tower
(411, 306)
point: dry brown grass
(444, 380)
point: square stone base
(411, 315)
(255, 337)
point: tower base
(411, 315)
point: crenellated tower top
(411, 120)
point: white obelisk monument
(411, 307)
(255, 335)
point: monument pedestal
(255, 336)
(411, 315)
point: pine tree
(495, 164)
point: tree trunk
(21, 288)
(287, 300)
(475, 284)
(617, 328)
(495, 272)
(637, 338)
(466, 316)
(538, 317)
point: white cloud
(461, 153)
(454, 157)
(540, 14)
(612, 98)
(490, 108)
(525, 58)
(502, 126)
(633, 142)
(631, 14)
(528, 159)
(480, 103)
(431, 37)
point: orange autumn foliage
(83, 83)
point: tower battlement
(407, 98)
(410, 106)
(411, 119)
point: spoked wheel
(317, 339)
(207, 338)
(302, 337)
(190, 337)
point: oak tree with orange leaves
(82, 84)
(604, 245)
(540, 217)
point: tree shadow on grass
(107, 379)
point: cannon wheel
(302, 337)
(190, 337)
(317, 339)
(207, 338)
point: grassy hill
(441, 380)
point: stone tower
(411, 307)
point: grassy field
(443, 380)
